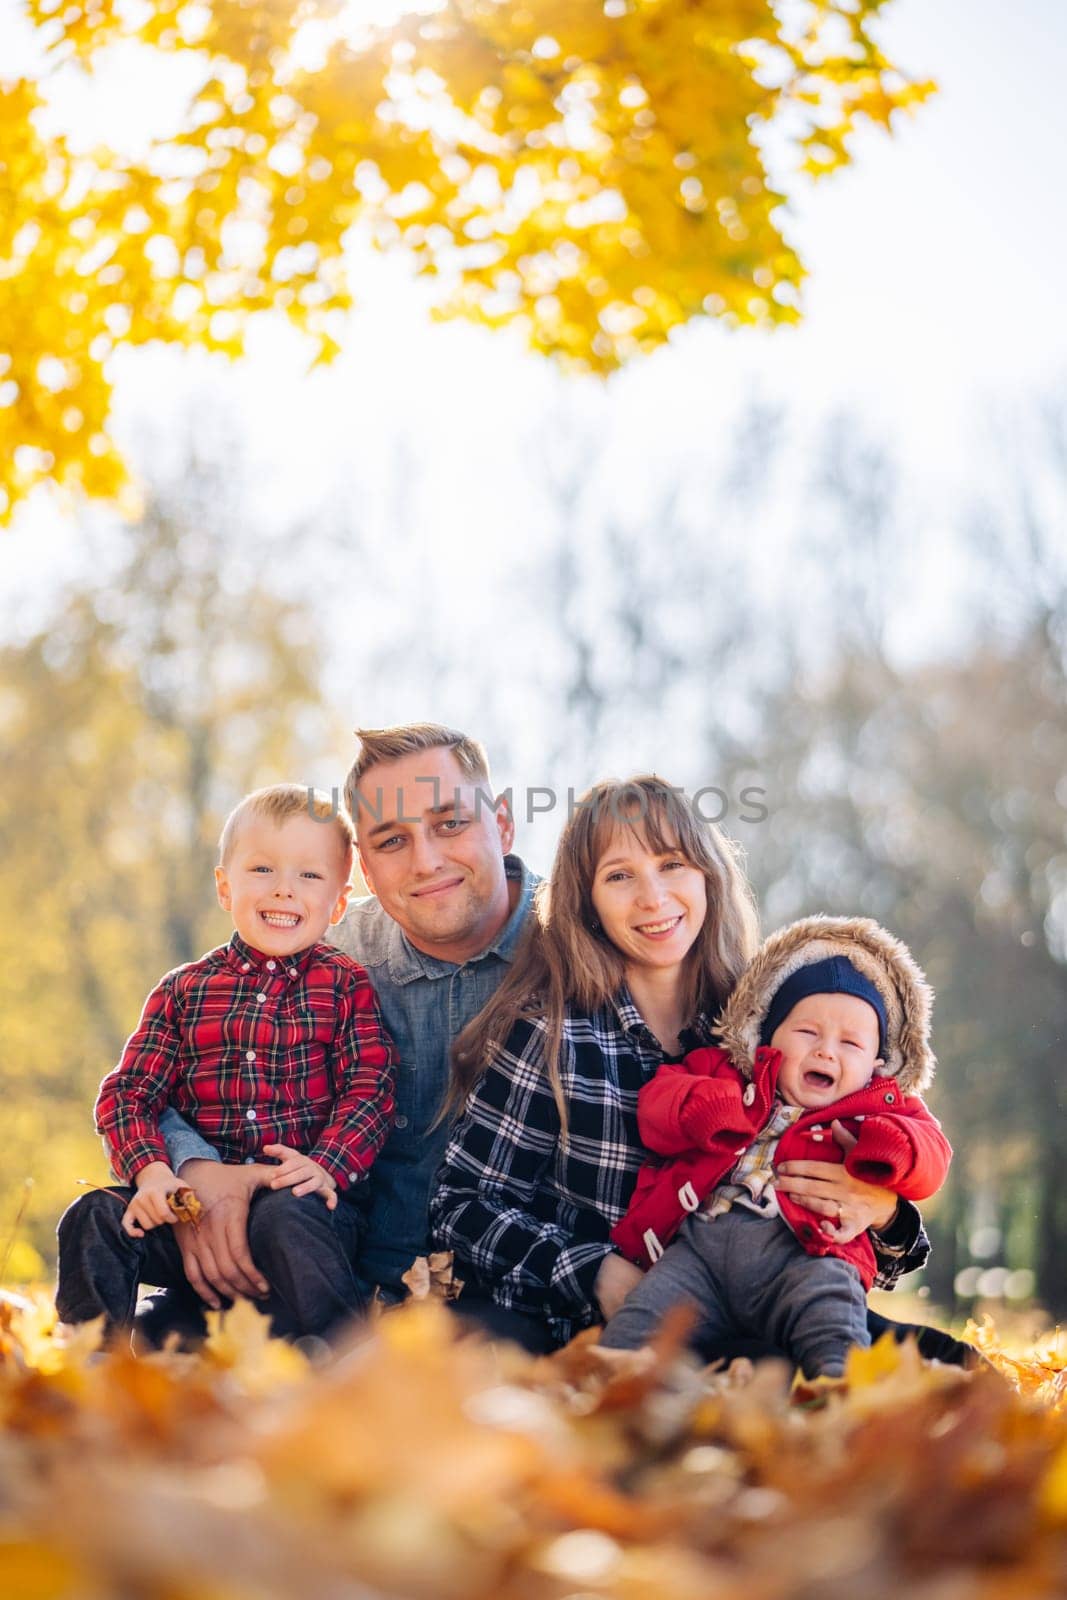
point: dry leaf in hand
(185, 1206)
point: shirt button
(250, 1055)
(292, 972)
(401, 1121)
(245, 965)
(272, 966)
(250, 1114)
(261, 997)
(250, 1161)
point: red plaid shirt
(254, 1050)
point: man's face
(432, 849)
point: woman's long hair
(563, 956)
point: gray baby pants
(749, 1277)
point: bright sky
(935, 293)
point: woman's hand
(616, 1278)
(849, 1205)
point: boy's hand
(301, 1174)
(149, 1208)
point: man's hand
(849, 1205)
(149, 1208)
(215, 1255)
(301, 1174)
(614, 1281)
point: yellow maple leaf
(592, 175)
(35, 1570)
(239, 1340)
(881, 1360)
(1053, 1497)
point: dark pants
(750, 1275)
(500, 1322)
(304, 1251)
(934, 1344)
(497, 1322)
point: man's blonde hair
(378, 745)
(280, 801)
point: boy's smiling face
(829, 1045)
(284, 883)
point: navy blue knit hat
(862, 948)
(833, 975)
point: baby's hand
(301, 1174)
(149, 1208)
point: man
(448, 904)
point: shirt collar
(243, 957)
(693, 1036)
(406, 963)
(782, 1113)
(630, 1019)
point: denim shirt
(425, 1003)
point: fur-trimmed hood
(888, 964)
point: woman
(641, 932)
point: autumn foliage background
(591, 181)
(589, 171)
(586, 193)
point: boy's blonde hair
(378, 745)
(280, 801)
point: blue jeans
(304, 1251)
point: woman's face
(651, 907)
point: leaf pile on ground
(417, 1465)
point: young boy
(273, 1047)
(830, 1023)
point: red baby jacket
(698, 1115)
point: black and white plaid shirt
(528, 1214)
